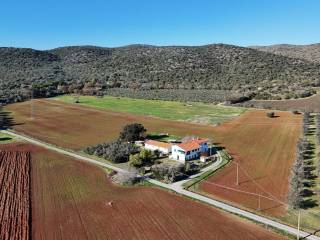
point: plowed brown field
(70, 201)
(14, 195)
(263, 147)
(75, 126)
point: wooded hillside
(90, 70)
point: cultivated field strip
(15, 195)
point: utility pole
(299, 216)
(32, 106)
(237, 173)
(259, 205)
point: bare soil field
(310, 104)
(70, 200)
(15, 193)
(263, 147)
(75, 126)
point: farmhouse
(162, 147)
(189, 150)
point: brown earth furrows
(15, 195)
(70, 201)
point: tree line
(302, 170)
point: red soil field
(311, 104)
(75, 127)
(264, 148)
(14, 195)
(70, 201)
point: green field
(193, 112)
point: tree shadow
(2, 139)
(309, 203)
(307, 193)
(309, 184)
(6, 121)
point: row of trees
(298, 175)
(305, 123)
(116, 151)
(318, 141)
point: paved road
(62, 151)
(175, 188)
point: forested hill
(217, 67)
(308, 52)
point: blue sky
(46, 24)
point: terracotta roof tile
(158, 144)
(192, 144)
(188, 146)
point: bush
(140, 159)
(126, 178)
(270, 114)
(115, 151)
(168, 172)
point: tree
(135, 160)
(167, 172)
(140, 159)
(133, 132)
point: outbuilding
(162, 147)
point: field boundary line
(215, 203)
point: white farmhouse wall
(178, 154)
(181, 155)
(154, 148)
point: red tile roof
(188, 146)
(192, 144)
(158, 144)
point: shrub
(270, 114)
(126, 178)
(115, 151)
(168, 172)
(142, 158)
